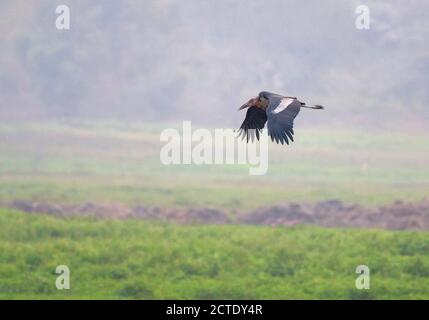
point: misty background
(199, 60)
(82, 184)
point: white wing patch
(284, 103)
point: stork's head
(254, 102)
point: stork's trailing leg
(317, 106)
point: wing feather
(253, 123)
(281, 113)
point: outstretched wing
(281, 112)
(253, 123)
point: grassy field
(138, 260)
(135, 259)
(120, 163)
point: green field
(120, 163)
(137, 260)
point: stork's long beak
(247, 104)
(244, 106)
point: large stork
(277, 110)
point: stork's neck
(262, 103)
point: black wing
(253, 123)
(281, 112)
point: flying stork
(277, 110)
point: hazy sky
(199, 60)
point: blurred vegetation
(134, 259)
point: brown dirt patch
(397, 216)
